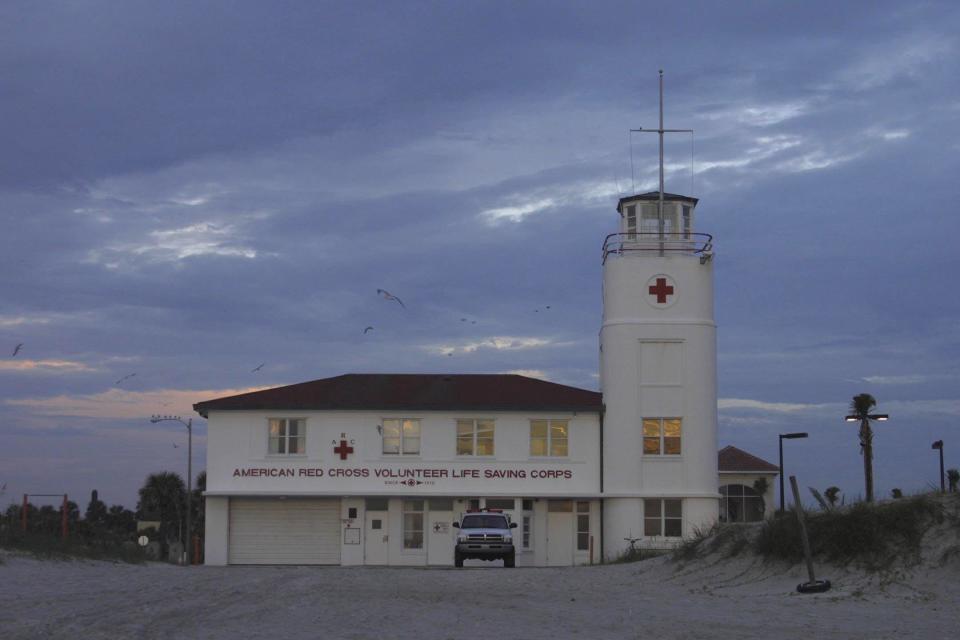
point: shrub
(44, 545)
(869, 535)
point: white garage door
(284, 531)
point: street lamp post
(866, 442)
(939, 445)
(189, 425)
(788, 436)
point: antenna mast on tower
(661, 131)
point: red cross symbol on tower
(343, 450)
(661, 290)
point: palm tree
(860, 408)
(832, 494)
(164, 496)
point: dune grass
(869, 536)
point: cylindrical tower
(658, 375)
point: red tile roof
(425, 392)
(733, 460)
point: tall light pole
(862, 405)
(787, 436)
(189, 425)
(939, 445)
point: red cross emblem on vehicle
(343, 449)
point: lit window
(413, 524)
(549, 438)
(474, 437)
(287, 436)
(401, 436)
(663, 517)
(661, 436)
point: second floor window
(287, 436)
(474, 437)
(401, 436)
(549, 438)
(661, 436)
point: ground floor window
(413, 524)
(739, 503)
(583, 526)
(663, 517)
(440, 504)
(526, 532)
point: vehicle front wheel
(457, 559)
(509, 561)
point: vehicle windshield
(484, 521)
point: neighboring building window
(413, 524)
(631, 215)
(739, 503)
(401, 436)
(474, 437)
(549, 438)
(687, 227)
(661, 436)
(663, 517)
(583, 526)
(288, 436)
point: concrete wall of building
(216, 530)
(237, 452)
(681, 383)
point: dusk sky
(189, 190)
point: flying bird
(129, 375)
(367, 329)
(16, 350)
(389, 296)
(258, 367)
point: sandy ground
(730, 599)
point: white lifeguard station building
(374, 468)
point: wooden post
(803, 527)
(23, 513)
